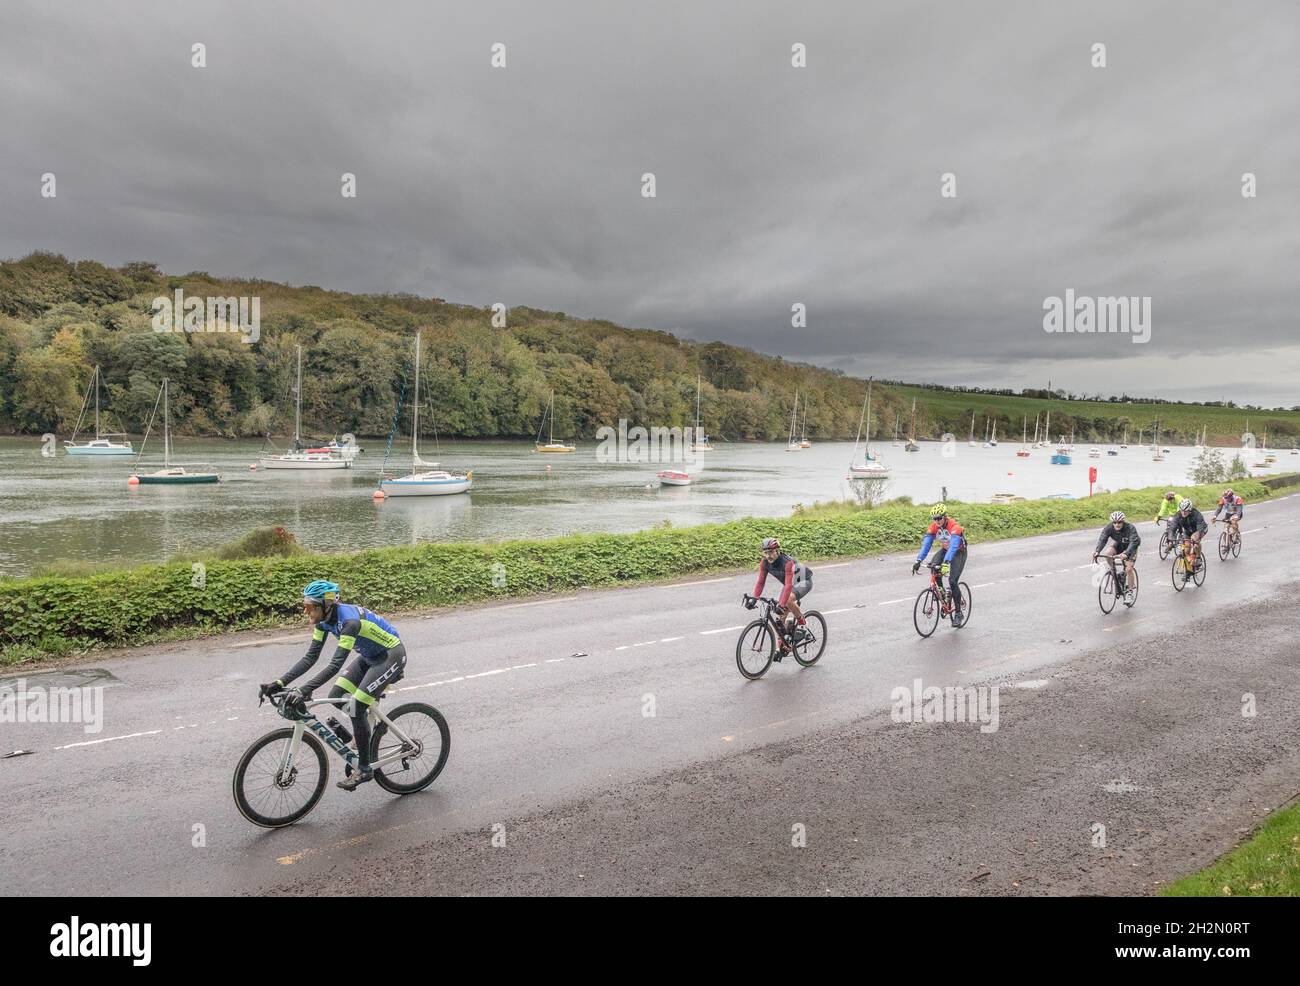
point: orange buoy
(377, 495)
(252, 466)
(133, 481)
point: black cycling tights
(954, 571)
(370, 676)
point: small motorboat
(673, 477)
(1006, 498)
(1112, 451)
(1061, 457)
(1094, 453)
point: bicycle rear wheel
(925, 611)
(269, 800)
(754, 650)
(1236, 545)
(809, 650)
(1106, 592)
(967, 604)
(1131, 597)
(423, 757)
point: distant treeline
(58, 319)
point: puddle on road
(66, 678)
(1121, 787)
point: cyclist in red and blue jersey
(949, 557)
(795, 579)
(378, 660)
(1232, 507)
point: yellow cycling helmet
(939, 510)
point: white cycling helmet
(1184, 504)
(1117, 517)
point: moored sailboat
(103, 443)
(169, 475)
(429, 481)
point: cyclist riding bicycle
(1189, 524)
(796, 582)
(1232, 507)
(1119, 537)
(379, 661)
(950, 556)
(1168, 507)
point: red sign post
(1092, 478)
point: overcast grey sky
(775, 184)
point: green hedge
(56, 614)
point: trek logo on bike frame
(331, 740)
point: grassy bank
(938, 411)
(56, 615)
(1266, 865)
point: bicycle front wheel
(270, 799)
(423, 753)
(1166, 545)
(754, 650)
(1225, 545)
(1106, 593)
(809, 650)
(1198, 572)
(925, 612)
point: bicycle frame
(332, 740)
(945, 597)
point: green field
(938, 411)
(1266, 865)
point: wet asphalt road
(609, 738)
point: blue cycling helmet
(321, 592)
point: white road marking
(108, 739)
(668, 640)
(890, 602)
(683, 585)
(705, 633)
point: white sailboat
(993, 441)
(429, 481)
(701, 443)
(803, 438)
(300, 457)
(971, 440)
(870, 466)
(1156, 454)
(911, 445)
(551, 444)
(169, 475)
(1023, 451)
(103, 443)
(792, 445)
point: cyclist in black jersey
(1119, 537)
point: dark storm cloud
(775, 185)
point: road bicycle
(1108, 592)
(281, 777)
(757, 647)
(1166, 539)
(1184, 570)
(936, 601)
(1229, 542)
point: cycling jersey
(950, 535)
(356, 628)
(1126, 539)
(1236, 508)
(794, 577)
(1193, 523)
(1167, 508)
